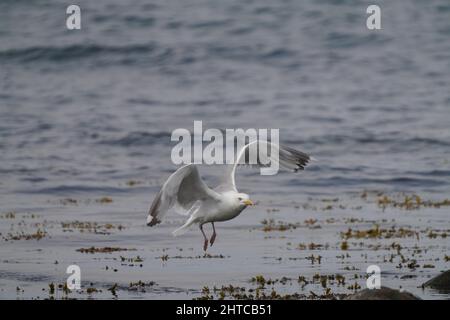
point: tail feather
(184, 228)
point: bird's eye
(240, 198)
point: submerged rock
(440, 282)
(384, 293)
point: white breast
(226, 210)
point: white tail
(184, 228)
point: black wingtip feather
(153, 222)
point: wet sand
(312, 247)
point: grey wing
(182, 190)
(288, 158)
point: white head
(243, 199)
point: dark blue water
(82, 111)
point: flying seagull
(187, 193)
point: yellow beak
(248, 202)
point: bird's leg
(205, 244)
(213, 237)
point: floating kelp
(103, 250)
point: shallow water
(84, 113)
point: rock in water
(384, 293)
(440, 282)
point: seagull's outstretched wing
(183, 189)
(288, 158)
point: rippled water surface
(86, 118)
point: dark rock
(440, 282)
(384, 293)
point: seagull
(188, 194)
